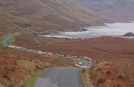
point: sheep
(60, 56)
(77, 65)
(9, 46)
(80, 63)
(82, 67)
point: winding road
(57, 76)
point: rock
(23, 25)
(129, 34)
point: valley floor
(114, 59)
(114, 56)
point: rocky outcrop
(23, 25)
(129, 34)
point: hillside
(45, 14)
(38, 15)
(113, 9)
(41, 15)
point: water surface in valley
(111, 29)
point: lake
(111, 29)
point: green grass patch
(12, 41)
(83, 77)
(29, 82)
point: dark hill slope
(114, 9)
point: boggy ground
(114, 56)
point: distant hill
(45, 14)
(113, 9)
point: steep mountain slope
(114, 9)
(47, 14)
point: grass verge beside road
(12, 41)
(29, 82)
(83, 77)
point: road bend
(57, 76)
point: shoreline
(80, 28)
(110, 29)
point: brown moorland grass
(113, 74)
(16, 66)
(118, 53)
(103, 48)
(46, 14)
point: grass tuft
(29, 82)
(12, 41)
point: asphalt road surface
(60, 77)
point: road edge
(31, 80)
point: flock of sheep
(79, 64)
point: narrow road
(60, 77)
(4, 42)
